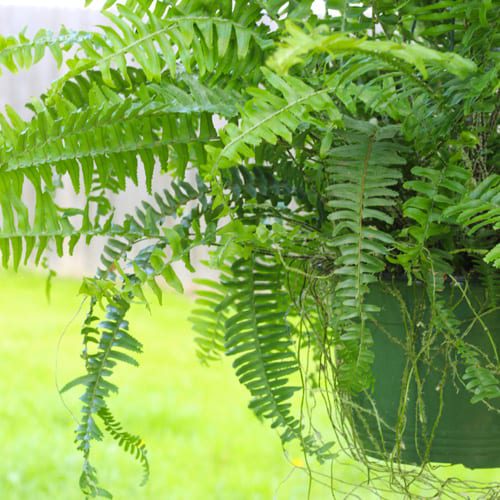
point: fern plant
(316, 156)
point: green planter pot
(466, 433)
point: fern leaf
(130, 443)
(22, 53)
(208, 318)
(269, 117)
(259, 336)
(437, 189)
(361, 193)
(480, 208)
(157, 38)
(301, 43)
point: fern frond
(481, 381)
(99, 148)
(300, 43)
(121, 281)
(437, 189)
(74, 138)
(23, 53)
(480, 208)
(258, 334)
(481, 376)
(113, 343)
(157, 38)
(129, 442)
(269, 117)
(489, 277)
(20, 240)
(361, 193)
(208, 318)
(457, 25)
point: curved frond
(99, 148)
(268, 117)
(129, 442)
(208, 318)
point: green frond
(489, 277)
(437, 189)
(481, 381)
(130, 443)
(458, 25)
(480, 375)
(99, 148)
(270, 117)
(108, 342)
(208, 318)
(20, 52)
(121, 281)
(157, 39)
(361, 193)
(300, 44)
(118, 129)
(112, 343)
(20, 240)
(480, 208)
(258, 335)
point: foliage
(354, 146)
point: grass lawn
(203, 442)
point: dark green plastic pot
(467, 433)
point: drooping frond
(113, 344)
(99, 147)
(482, 381)
(147, 222)
(258, 335)
(363, 175)
(129, 442)
(64, 136)
(481, 374)
(209, 318)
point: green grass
(203, 441)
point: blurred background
(203, 441)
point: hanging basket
(439, 424)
